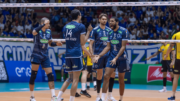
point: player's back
(177, 37)
(72, 32)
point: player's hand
(148, 58)
(59, 55)
(59, 43)
(165, 57)
(95, 59)
(90, 28)
(172, 64)
(113, 62)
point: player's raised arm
(92, 38)
(44, 21)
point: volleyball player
(98, 41)
(166, 63)
(42, 37)
(117, 40)
(176, 69)
(75, 42)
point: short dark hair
(115, 18)
(75, 13)
(43, 19)
(103, 14)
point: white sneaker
(98, 98)
(54, 98)
(32, 99)
(163, 90)
(61, 99)
(111, 99)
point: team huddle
(106, 50)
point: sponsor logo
(70, 26)
(107, 29)
(19, 71)
(114, 41)
(74, 66)
(155, 74)
(110, 33)
(120, 32)
(104, 38)
(98, 30)
(44, 41)
(48, 32)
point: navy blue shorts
(73, 64)
(121, 65)
(101, 63)
(45, 63)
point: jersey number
(69, 33)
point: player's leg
(62, 74)
(94, 79)
(164, 70)
(34, 71)
(108, 72)
(83, 83)
(111, 83)
(121, 85)
(99, 82)
(88, 80)
(76, 75)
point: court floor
(19, 92)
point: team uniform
(40, 51)
(165, 63)
(115, 39)
(63, 63)
(100, 36)
(177, 61)
(72, 32)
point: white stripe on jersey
(96, 27)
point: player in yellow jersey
(176, 70)
(90, 71)
(166, 63)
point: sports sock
(164, 81)
(83, 86)
(98, 86)
(111, 83)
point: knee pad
(50, 77)
(33, 77)
(70, 78)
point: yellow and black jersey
(177, 45)
(164, 49)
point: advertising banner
(148, 74)
(3, 73)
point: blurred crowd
(152, 22)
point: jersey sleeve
(64, 32)
(125, 35)
(83, 29)
(174, 37)
(160, 49)
(92, 35)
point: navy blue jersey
(72, 32)
(41, 43)
(116, 38)
(100, 37)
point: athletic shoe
(88, 87)
(32, 98)
(172, 98)
(111, 99)
(85, 93)
(77, 95)
(163, 90)
(61, 99)
(95, 88)
(98, 98)
(54, 98)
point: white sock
(62, 79)
(60, 94)
(109, 94)
(98, 94)
(53, 92)
(83, 86)
(88, 83)
(121, 97)
(164, 87)
(32, 93)
(94, 83)
(71, 98)
(103, 96)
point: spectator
(141, 19)
(95, 19)
(35, 23)
(59, 26)
(91, 13)
(29, 33)
(123, 24)
(20, 30)
(140, 36)
(119, 12)
(89, 18)
(1, 26)
(148, 12)
(132, 35)
(28, 26)
(64, 19)
(145, 33)
(139, 12)
(150, 33)
(110, 15)
(132, 20)
(119, 17)
(147, 19)
(155, 36)
(159, 29)
(5, 32)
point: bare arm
(105, 50)
(121, 51)
(82, 39)
(173, 57)
(34, 32)
(155, 54)
(169, 50)
(87, 34)
(91, 47)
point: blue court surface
(16, 87)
